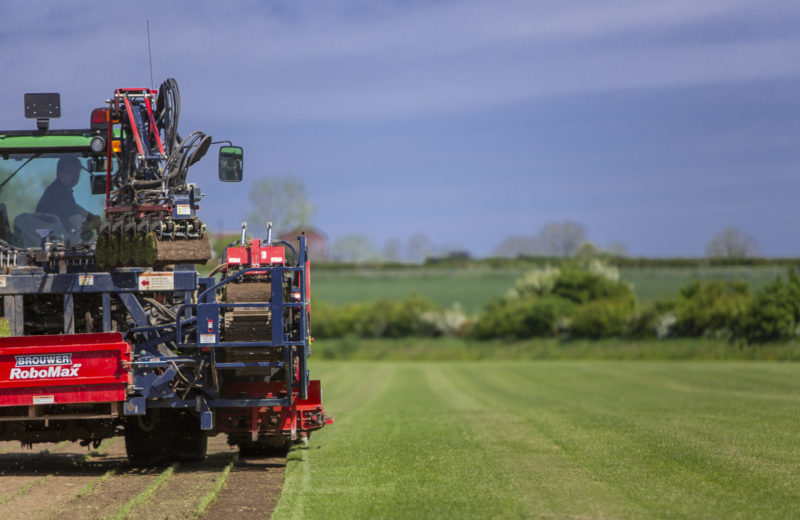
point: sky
(652, 124)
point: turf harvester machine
(118, 334)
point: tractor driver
(58, 199)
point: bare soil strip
(253, 489)
(179, 496)
(6, 446)
(66, 469)
(143, 497)
(24, 471)
(68, 481)
(109, 496)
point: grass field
(657, 283)
(473, 289)
(552, 349)
(574, 439)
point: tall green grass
(551, 439)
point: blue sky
(654, 124)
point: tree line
(284, 200)
(582, 299)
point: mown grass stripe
(24, 489)
(564, 439)
(357, 387)
(212, 495)
(545, 480)
(701, 453)
(301, 459)
(146, 494)
(401, 454)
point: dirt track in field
(66, 480)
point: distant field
(657, 283)
(473, 289)
(464, 349)
(551, 440)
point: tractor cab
(46, 179)
(54, 183)
(46, 195)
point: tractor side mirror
(231, 163)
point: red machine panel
(255, 255)
(75, 368)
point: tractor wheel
(188, 442)
(144, 441)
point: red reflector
(99, 116)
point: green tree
(712, 308)
(281, 200)
(561, 238)
(774, 313)
(353, 248)
(731, 243)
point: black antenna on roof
(150, 55)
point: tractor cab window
(47, 195)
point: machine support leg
(135, 309)
(13, 311)
(187, 298)
(303, 372)
(69, 313)
(106, 300)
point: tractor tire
(188, 443)
(144, 441)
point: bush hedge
(581, 299)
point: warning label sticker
(44, 399)
(184, 209)
(208, 338)
(85, 279)
(2, 281)
(156, 281)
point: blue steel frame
(151, 389)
